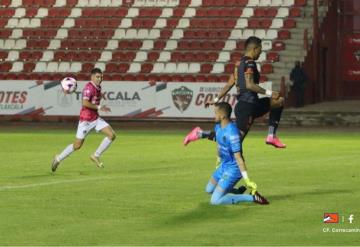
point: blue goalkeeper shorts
(227, 176)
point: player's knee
(209, 188)
(77, 146)
(215, 198)
(215, 201)
(112, 137)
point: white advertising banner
(18, 98)
(126, 99)
(123, 98)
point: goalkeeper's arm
(249, 184)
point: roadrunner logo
(182, 98)
(331, 218)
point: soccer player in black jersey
(249, 107)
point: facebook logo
(351, 218)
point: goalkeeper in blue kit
(232, 167)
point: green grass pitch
(151, 191)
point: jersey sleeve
(250, 67)
(87, 93)
(234, 139)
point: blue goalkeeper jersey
(228, 140)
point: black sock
(208, 134)
(274, 119)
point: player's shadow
(306, 193)
(206, 212)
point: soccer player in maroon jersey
(89, 119)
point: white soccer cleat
(55, 163)
(97, 161)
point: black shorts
(246, 112)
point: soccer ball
(68, 85)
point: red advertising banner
(351, 58)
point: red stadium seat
(213, 78)
(272, 56)
(300, 2)
(146, 68)
(172, 23)
(111, 68)
(201, 78)
(271, 12)
(165, 78)
(189, 78)
(3, 55)
(206, 68)
(289, 23)
(229, 68)
(213, 56)
(178, 12)
(5, 66)
(117, 77)
(31, 12)
(123, 67)
(165, 33)
(266, 23)
(278, 46)
(86, 67)
(29, 67)
(266, 69)
(141, 77)
(159, 44)
(129, 77)
(153, 56)
(176, 56)
(259, 12)
(254, 23)
(284, 34)
(177, 78)
(295, 12)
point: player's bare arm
(223, 92)
(252, 86)
(90, 105)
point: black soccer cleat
(260, 199)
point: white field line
(70, 181)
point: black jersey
(246, 66)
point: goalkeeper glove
(251, 186)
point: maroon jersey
(92, 93)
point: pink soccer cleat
(192, 136)
(270, 140)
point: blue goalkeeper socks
(219, 197)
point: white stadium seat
(140, 56)
(194, 68)
(158, 68)
(170, 68)
(182, 68)
(218, 68)
(40, 67)
(134, 68)
(13, 56)
(164, 56)
(64, 67)
(75, 67)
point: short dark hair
(252, 40)
(96, 71)
(224, 107)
